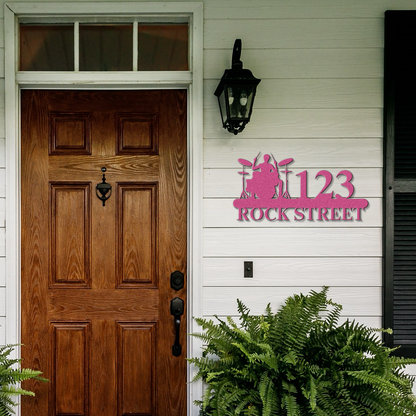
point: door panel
(96, 279)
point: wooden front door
(96, 290)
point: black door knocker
(103, 188)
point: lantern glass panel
(223, 106)
(240, 100)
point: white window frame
(191, 80)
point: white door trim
(191, 80)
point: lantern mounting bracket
(236, 58)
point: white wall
(320, 101)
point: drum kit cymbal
(245, 163)
(286, 162)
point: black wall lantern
(236, 92)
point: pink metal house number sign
(265, 195)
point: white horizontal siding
(2, 62)
(307, 153)
(356, 301)
(320, 102)
(2, 182)
(302, 123)
(2, 152)
(292, 242)
(2, 212)
(2, 330)
(2, 271)
(2, 302)
(2, 242)
(316, 9)
(294, 33)
(278, 271)
(310, 93)
(299, 63)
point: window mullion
(135, 46)
(76, 46)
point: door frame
(191, 80)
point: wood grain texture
(220, 213)
(137, 133)
(269, 272)
(35, 331)
(305, 123)
(122, 167)
(103, 366)
(69, 133)
(70, 364)
(137, 234)
(172, 223)
(356, 301)
(145, 215)
(227, 183)
(70, 238)
(136, 380)
(103, 303)
(318, 153)
(292, 242)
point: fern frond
(300, 361)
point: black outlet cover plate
(248, 269)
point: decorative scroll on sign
(265, 195)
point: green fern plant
(300, 362)
(10, 376)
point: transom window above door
(115, 46)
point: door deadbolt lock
(177, 280)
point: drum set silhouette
(256, 187)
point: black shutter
(400, 180)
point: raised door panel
(70, 368)
(137, 133)
(136, 369)
(137, 234)
(70, 234)
(69, 133)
